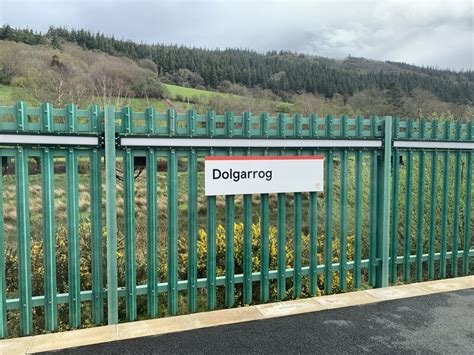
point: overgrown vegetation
(71, 74)
(65, 66)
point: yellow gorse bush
(273, 252)
(37, 265)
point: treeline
(284, 73)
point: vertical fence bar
(313, 125)
(298, 125)
(152, 233)
(421, 209)
(358, 207)
(408, 207)
(49, 241)
(191, 123)
(383, 207)
(264, 249)
(49, 233)
(467, 214)
(129, 216)
(247, 126)
(211, 123)
(281, 245)
(444, 207)
(373, 227)
(297, 271)
(297, 246)
(3, 285)
(247, 261)
(127, 123)
(73, 245)
(329, 126)
(172, 232)
(247, 282)
(313, 243)
(192, 230)
(358, 220)
(329, 224)
(94, 120)
(150, 119)
(373, 218)
(264, 125)
(46, 118)
(211, 252)
(211, 294)
(96, 230)
(433, 202)
(343, 232)
(281, 227)
(313, 222)
(171, 122)
(408, 217)
(281, 125)
(73, 259)
(229, 228)
(457, 199)
(264, 229)
(111, 215)
(23, 228)
(20, 116)
(394, 237)
(467, 211)
(71, 121)
(229, 251)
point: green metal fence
(396, 208)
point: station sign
(234, 175)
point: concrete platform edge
(102, 334)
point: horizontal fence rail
(104, 218)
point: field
(180, 98)
(5, 92)
(175, 90)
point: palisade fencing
(104, 217)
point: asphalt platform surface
(437, 323)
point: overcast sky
(436, 33)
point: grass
(175, 90)
(136, 103)
(141, 104)
(199, 99)
(5, 95)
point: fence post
(383, 211)
(111, 214)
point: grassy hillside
(181, 99)
(175, 90)
(5, 95)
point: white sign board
(233, 175)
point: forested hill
(282, 72)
